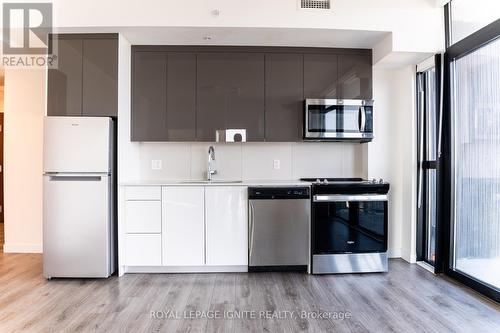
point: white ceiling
(245, 36)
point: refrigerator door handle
(76, 177)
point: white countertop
(215, 183)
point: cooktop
(347, 185)
(330, 181)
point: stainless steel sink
(210, 182)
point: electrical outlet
(156, 165)
(276, 164)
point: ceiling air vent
(314, 4)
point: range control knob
(381, 181)
(374, 180)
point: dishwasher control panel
(293, 192)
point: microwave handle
(362, 116)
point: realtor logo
(26, 27)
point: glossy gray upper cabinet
(355, 76)
(100, 77)
(85, 82)
(149, 99)
(64, 90)
(284, 96)
(230, 94)
(320, 75)
(164, 96)
(181, 97)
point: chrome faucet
(211, 158)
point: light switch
(156, 165)
(276, 164)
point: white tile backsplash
(175, 159)
(252, 161)
(258, 161)
(318, 159)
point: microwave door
(321, 120)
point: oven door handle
(349, 197)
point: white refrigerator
(78, 197)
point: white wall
(128, 154)
(24, 111)
(392, 156)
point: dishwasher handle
(251, 228)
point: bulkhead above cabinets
(188, 93)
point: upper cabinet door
(355, 76)
(320, 75)
(230, 94)
(65, 83)
(149, 101)
(284, 96)
(181, 97)
(100, 77)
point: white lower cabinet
(183, 229)
(186, 228)
(143, 249)
(226, 225)
(143, 216)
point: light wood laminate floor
(407, 299)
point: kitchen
(198, 94)
(265, 161)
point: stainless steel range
(349, 225)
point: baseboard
(186, 269)
(394, 253)
(22, 248)
(408, 256)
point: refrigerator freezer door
(77, 144)
(77, 226)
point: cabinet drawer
(143, 249)
(143, 216)
(143, 193)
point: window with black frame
(428, 111)
(471, 195)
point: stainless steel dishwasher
(279, 228)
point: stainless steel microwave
(338, 120)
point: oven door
(331, 119)
(349, 224)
